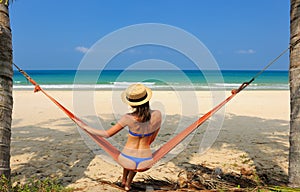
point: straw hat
(136, 94)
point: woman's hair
(142, 112)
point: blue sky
(240, 34)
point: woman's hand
(79, 123)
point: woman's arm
(113, 130)
(154, 135)
(94, 131)
(158, 117)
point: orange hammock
(168, 146)
(158, 154)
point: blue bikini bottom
(137, 160)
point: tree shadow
(255, 143)
(42, 151)
(261, 144)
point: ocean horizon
(155, 79)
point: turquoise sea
(156, 79)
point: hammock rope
(169, 145)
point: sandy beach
(251, 133)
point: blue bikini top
(140, 135)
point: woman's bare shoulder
(125, 119)
(155, 113)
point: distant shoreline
(71, 87)
(155, 79)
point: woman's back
(141, 134)
(136, 152)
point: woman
(143, 124)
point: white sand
(45, 143)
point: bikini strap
(140, 135)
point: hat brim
(125, 100)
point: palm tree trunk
(6, 100)
(294, 155)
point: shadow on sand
(47, 152)
(64, 155)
